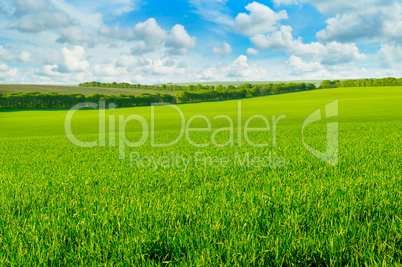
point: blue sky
(148, 42)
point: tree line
(245, 90)
(199, 87)
(55, 100)
(165, 87)
(361, 83)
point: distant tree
(219, 88)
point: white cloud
(165, 66)
(3, 67)
(179, 41)
(131, 61)
(262, 19)
(49, 70)
(37, 16)
(283, 39)
(6, 72)
(142, 47)
(358, 19)
(109, 7)
(43, 21)
(25, 56)
(224, 50)
(147, 36)
(73, 60)
(351, 27)
(116, 32)
(150, 37)
(330, 54)
(150, 31)
(337, 53)
(298, 66)
(393, 25)
(75, 35)
(241, 61)
(252, 51)
(331, 7)
(82, 12)
(314, 70)
(390, 55)
(240, 69)
(28, 6)
(116, 7)
(5, 54)
(213, 10)
(65, 63)
(109, 70)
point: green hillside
(237, 83)
(62, 203)
(64, 89)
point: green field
(237, 83)
(67, 205)
(69, 89)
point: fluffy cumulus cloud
(5, 55)
(390, 55)
(224, 50)
(329, 7)
(109, 70)
(150, 31)
(179, 41)
(351, 27)
(239, 69)
(145, 37)
(67, 61)
(298, 66)
(303, 69)
(329, 54)
(141, 47)
(6, 72)
(25, 57)
(283, 40)
(149, 36)
(39, 15)
(117, 32)
(73, 60)
(131, 61)
(165, 66)
(76, 36)
(337, 53)
(252, 51)
(353, 20)
(261, 19)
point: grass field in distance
(69, 89)
(237, 83)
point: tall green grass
(66, 205)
